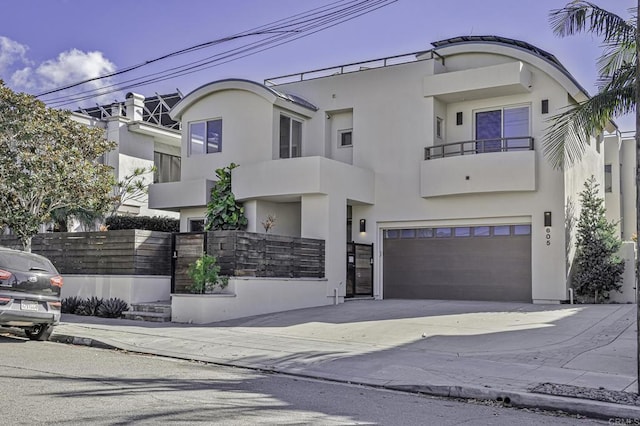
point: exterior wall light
(363, 225)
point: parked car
(29, 293)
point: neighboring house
(145, 136)
(434, 158)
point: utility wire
(289, 30)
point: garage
(458, 263)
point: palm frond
(616, 56)
(624, 76)
(570, 131)
(583, 16)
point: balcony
(479, 166)
(481, 146)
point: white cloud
(73, 66)
(12, 52)
(22, 78)
(69, 67)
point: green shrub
(204, 274)
(223, 211)
(156, 223)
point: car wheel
(40, 332)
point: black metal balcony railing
(522, 143)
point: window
(522, 230)
(481, 231)
(345, 138)
(501, 230)
(407, 233)
(209, 131)
(196, 225)
(608, 181)
(167, 168)
(462, 232)
(502, 124)
(443, 232)
(439, 127)
(290, 137)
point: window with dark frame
(290, 137)
(205, 137)
(608, 178)
(346, 138)
(167, 167)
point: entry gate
(359, 270)
(187, 247)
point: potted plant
(204, 274)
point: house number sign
(547, 236)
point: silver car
(29, 293)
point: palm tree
(618, 94)
(571, 130)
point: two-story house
(145, 137)
(434, 158)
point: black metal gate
(187, 247)
(359, 270)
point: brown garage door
(458, 263)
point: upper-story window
(290, 137)
(205, 137)
(439, 128)
(608, 178)
(167, 167)
(345, 138)
(503, 129)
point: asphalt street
(47, 382)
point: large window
(608, 180)
(290, 137)
(205, 137)
(167, 168)
(502, 124)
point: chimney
(134, 106)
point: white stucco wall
(130, 288)
(247, 297)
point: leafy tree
(223, 211)
(598, 270)
(131, 187)
(48, 162)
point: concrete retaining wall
(130, 288)
(249, 296)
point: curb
(590, 408)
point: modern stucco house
(434, 158)
(145, 136)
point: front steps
(149, 311)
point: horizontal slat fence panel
(241, 253)
(122, 252)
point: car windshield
(25, 262)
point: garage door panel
(464, 268)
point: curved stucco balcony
(457, 169)
(292, 177)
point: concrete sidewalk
(483, 350)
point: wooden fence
(123, 252)
(243, 253)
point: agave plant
(70, 304)
(112, 308)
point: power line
(290, 29)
